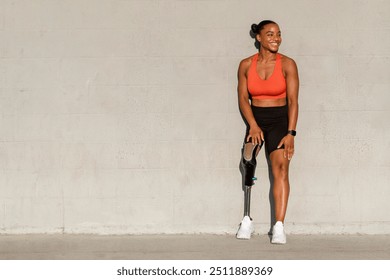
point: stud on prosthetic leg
(248, 166)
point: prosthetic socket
(248, 166)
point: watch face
(292, 132)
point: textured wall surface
(121, 116)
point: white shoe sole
(244, 235)
(280, 239)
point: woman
(268, 86)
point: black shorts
(273, 121)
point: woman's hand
(255, 135)
(288, 142)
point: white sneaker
(246, 228)
(278, 234)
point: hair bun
(255, 28)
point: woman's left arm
(292, 82)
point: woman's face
(270, 37)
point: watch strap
(292, 132)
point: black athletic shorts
(273, 121)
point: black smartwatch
(292, 132)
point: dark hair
(256, 28)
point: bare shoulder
(245, 64)
(288, 63)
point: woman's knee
(280, 171)
(280, 167)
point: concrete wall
(120, 116)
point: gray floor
(196, 247)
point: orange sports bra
(272, 88)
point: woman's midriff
(269, 102)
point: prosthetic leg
(248, 166)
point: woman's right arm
(255, 133)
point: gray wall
(121, 116)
